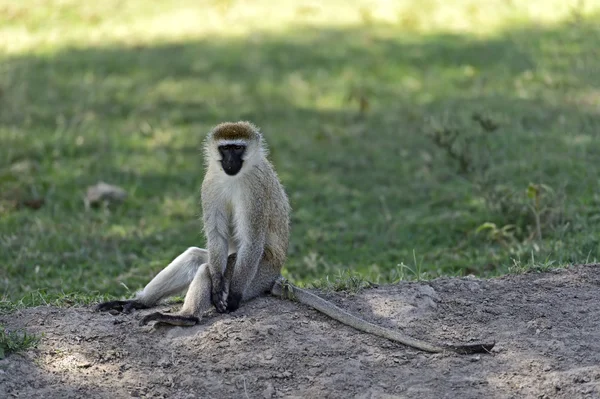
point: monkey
(246, 217)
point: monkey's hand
(172, 319)
(120, 306)
(219, 294)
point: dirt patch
(546, 325)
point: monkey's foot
(172, 319)
(219, 300)
(471, 348)
(121, 306)
(233, 302)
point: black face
(231, 158)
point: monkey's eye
(237, 147)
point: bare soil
(546, 326)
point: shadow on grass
(192, 81)
(366, 189)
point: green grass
(351, 98)
(15, 341)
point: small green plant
(7, 306)
(505, 235)
(448, 139)
(359, 95)
(463, 144)
(537, 193)
(518, 216)
(529, 212)
(14, 341)
(404, 272)
(345, 280)
(519, 267)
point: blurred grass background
(415, 138)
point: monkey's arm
(217, 261)
(216, 228)
(284, 289)
(246, 267)
(251, 228)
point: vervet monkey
(246, 217)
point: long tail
(285, 290)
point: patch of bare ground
(546, 325)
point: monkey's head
(233, 145)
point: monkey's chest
(235, 217)
(235, 226)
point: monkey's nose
(231, 168)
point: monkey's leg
(197, 301)
(173, 279)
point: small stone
(103, 192)
(24, 167)
(268, 392)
